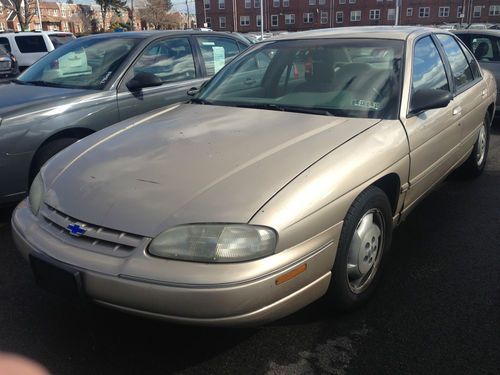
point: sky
(177, 4)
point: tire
(45, 152)
(474, 165)
(367, 231)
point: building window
(222, 22)
(308, 17)
(352, 1)
(391, 14)
(494, 10)
(324, 17)
(409, 12)
(222, 4)
(276, 3)
(208, 21)
(286, 4)
(248, 4)
(459, 12)
(207, 4)
(312, 2)
(477, 11)
(56, 12)
(274, 20)
(355, 15)
(423, 12)
(258, 21)
(256, 3)
(63, 12)
(244, 20)
(444, 11)
(374, 14)
(341, 1)
(321, 2)
(289, 19)
(339, 17)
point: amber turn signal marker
(290, 275)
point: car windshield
(59, 39)
(86, 63)
(340, 77)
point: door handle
(457, 111)
(484, 93)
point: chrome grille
(4, 65)
(95, 238)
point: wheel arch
(78, 133)
(390, 184)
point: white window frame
(310, 17)
(248, 4)
(258, 20)
(475, 14)
(341, 14)
(424, 12)
(276, 3)
(256, 4)
(352, 1)
(409, 12)
(355, 15)
(323, 19)
(444, 12)
(286, 3)
(312, 2)
(290, 19)
(341, 1)
(222, 25)
(208, 21)
(321, 2)
(245, 21)
(494, 10)
(374, 14)
(459, 11)
(274, 20)
(391, 14)
(223, 3)
(207, 4)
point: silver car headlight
(37, 191)
(215, 243)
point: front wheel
(477, 160)
(365, 238)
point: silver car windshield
(86, 63)
(340, 77)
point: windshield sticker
(208, 43)
(106, 77)
(219, 58)
(365, 104)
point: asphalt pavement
(436, 310)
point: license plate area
(56, 277)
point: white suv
(28, 47)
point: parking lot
(436, 310)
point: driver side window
(171, 60)
(428, 68)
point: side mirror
(193, 91)
(143, 79)
(425, 99)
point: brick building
(294, 15)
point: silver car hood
(26, 97)
(195, 163)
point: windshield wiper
(42, 83)
(19, 82)
(287, 108)
(199, 101)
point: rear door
(170, 59)
(31, 49)
(469, 90)
(216, 51)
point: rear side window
(486, 48)
(462, 74)
(428, 68)
(31, 44)
(5, 43)
(472, 62)
(217, 52)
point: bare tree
(110, 5)
(24, 10)
(155, 13)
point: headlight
(36, 194)
(217, 243)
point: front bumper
(227, 303)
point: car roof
(372, 32)
(157, 34)
(478, 31)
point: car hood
(15, 96)
(194, 163)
